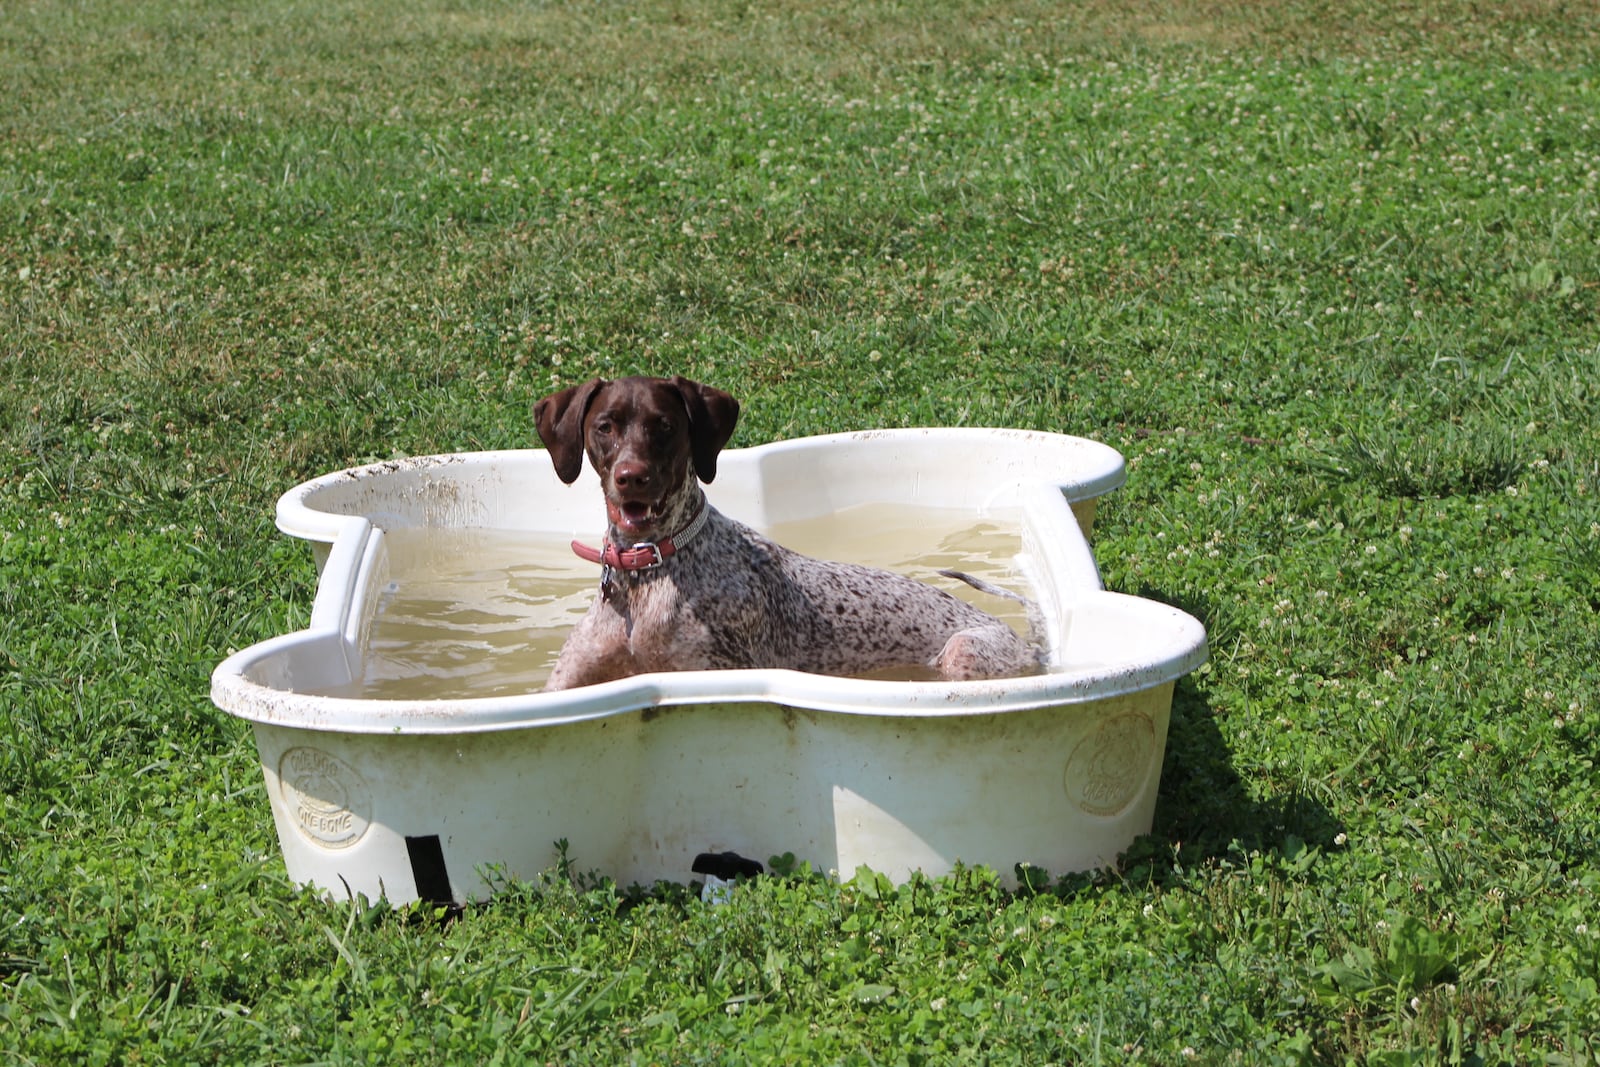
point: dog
(684, 587)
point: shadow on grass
(1203, 805)
(1205, 813)
(1204, 810)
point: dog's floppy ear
(712, 416)
(559, 420)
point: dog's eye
(603, 427)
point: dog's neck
(681, 509)
(639, 558)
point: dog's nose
(629, 475)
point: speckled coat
(730, 597)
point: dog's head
(645, 437)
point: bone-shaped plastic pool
(439, 797)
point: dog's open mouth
(634, 517)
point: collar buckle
(644, 556)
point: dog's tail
(1036, 627)
(986, 587)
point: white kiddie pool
(409, 752)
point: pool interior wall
(442, 799)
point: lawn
(1329, 277)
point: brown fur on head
(562, 421)
(558, 418)
(712, 417)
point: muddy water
(480, 613)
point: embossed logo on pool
(1107, 768)
(326, 799)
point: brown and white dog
(684, 587)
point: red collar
(646, 555)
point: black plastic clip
(726, 865)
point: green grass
(1332, 288)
